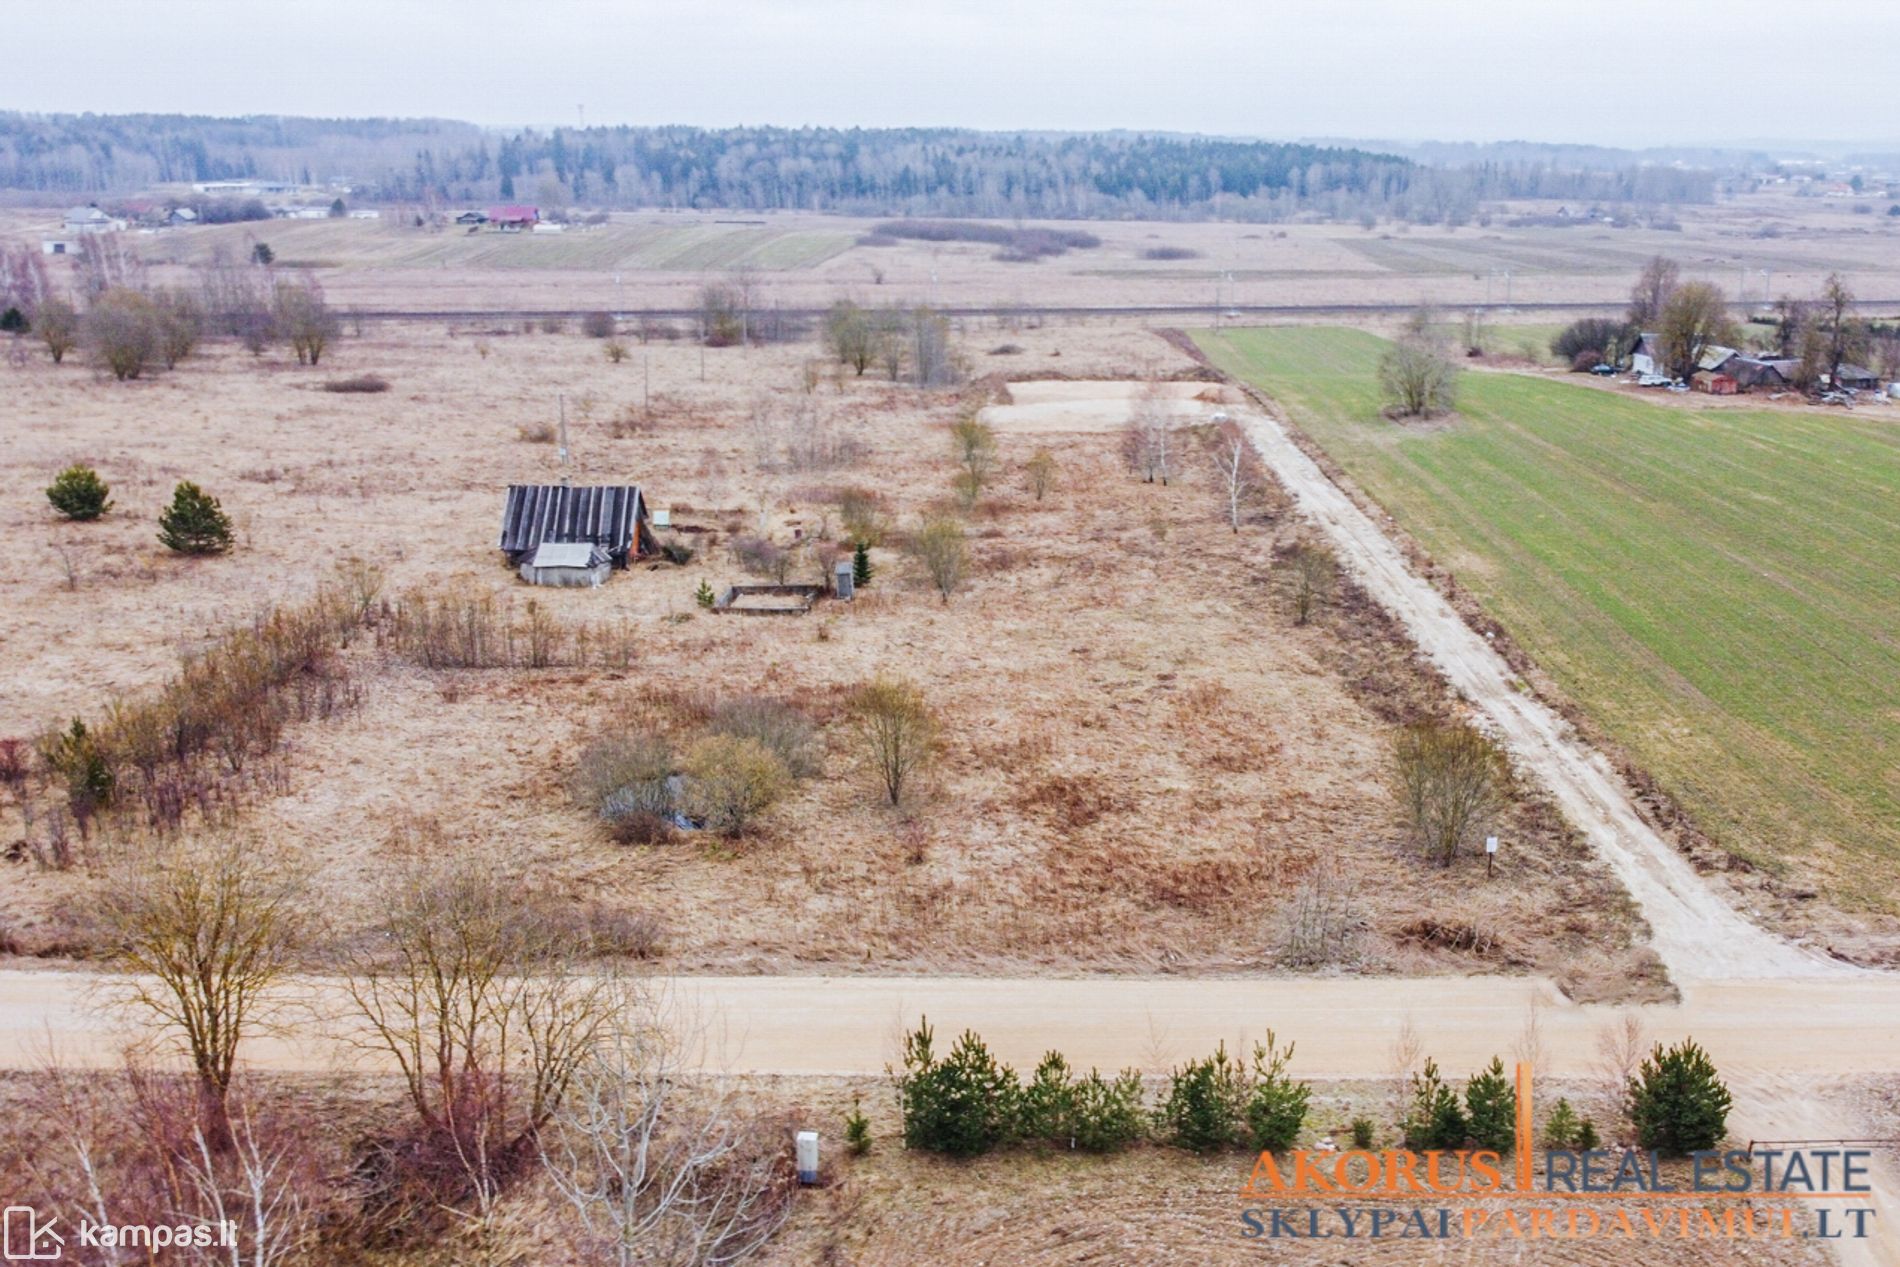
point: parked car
(1603, 368)
(1654, 380)
(1836, 398)
(1678, 386)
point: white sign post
(1490, 854)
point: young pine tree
(1561, 1128)
(194, 523)
(1278, 1107)
(78, 493)
(1436, 1119)
(1678, 1102)
(1491, 1108)
(860, 566)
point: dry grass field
(656, 260)
(1145, 760)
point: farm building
(1716, 384)
(560, 563)
(471, 218)
(1773, 374)
(514, 218)
(90, 220)
(611, 517)
(1859, 377)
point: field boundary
(1652, 804)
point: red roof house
(513, 219)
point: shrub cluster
(967, 1102)
(744, 760)
(464, 629)
(192, 742)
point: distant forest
(895, 171)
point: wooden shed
(576, 565)
(613, 517)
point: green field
(1718, 588)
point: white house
(91, 220)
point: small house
(183, 216)
(58, 246)
(1712, 382)
(90, 220)
(1858, 377)
(472, 219)
(514, 218)
(561, 563)
(611, 517)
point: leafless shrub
(1322, 921)
(864, 516)
(782, 729)
(1621, 1046)
(762, 557)
(360, 383)
(467, 629)
(1040, 470)
(730, 781)
(598, 325)
(941, 548)
(664, 1168)
(814, 442)
(538, 432)
(1451, 778)
(627, 778)
(478, 998)
(1315, 573)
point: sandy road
(1697, 934)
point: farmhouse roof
(514, 211)
(86, 215)
(1715, 356)
(612, 517)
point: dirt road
(1697, 934)
(1344, 1027)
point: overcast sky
(1635, 73)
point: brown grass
(1143, 755)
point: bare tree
(1650, 295)
(1417, 377)
(896, 734)
(106, 262)
(1148, 440)
(1846, 336)
(179, 325)
(1041, 470)
(1694, 319)
(663, 1168)
(942, 548)
(1450, 778)
(24, 282)
(1315, 573)
(257, 1192)
(849, 334)
(238, 299)
(1621, 1046)
(57, 325)
(121, 331)
(205, 935)
(1402, 1062)
(478, 997)
(1238, 468)
(974, 443)
(305, 319)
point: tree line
(911, 171)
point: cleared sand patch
(1053, 406)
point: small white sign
(1490, 844)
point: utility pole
(561, 400)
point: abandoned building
(612, 517)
